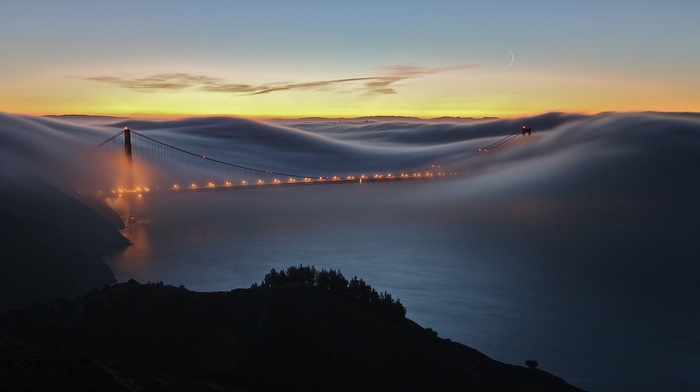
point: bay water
(514, 278)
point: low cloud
(370, 85)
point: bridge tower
(130, 195)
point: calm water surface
(504, 279)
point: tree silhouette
(531, 363)
(334, 282)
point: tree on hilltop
(334, 282)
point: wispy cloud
(170, 81)
(385, 84)
(372, 85)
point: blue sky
(437, 58)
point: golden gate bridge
(199, 172)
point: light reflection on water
(514, 285)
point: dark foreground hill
(289, 338)
(39, 263)
(44, 368)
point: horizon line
(153, 116)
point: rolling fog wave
(577, 244)
(640, 166)
(610, 152)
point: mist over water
(575, 246)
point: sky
(269, 59)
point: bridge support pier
(130, 197)
(131, 208)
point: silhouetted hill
(43, 368)
(40, 264)
(52, 242)
(267, 338)
(79, 220)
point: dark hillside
(43, 368)
(268, 338)
(86, 222)
(39, 263)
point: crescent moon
(512, 58)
